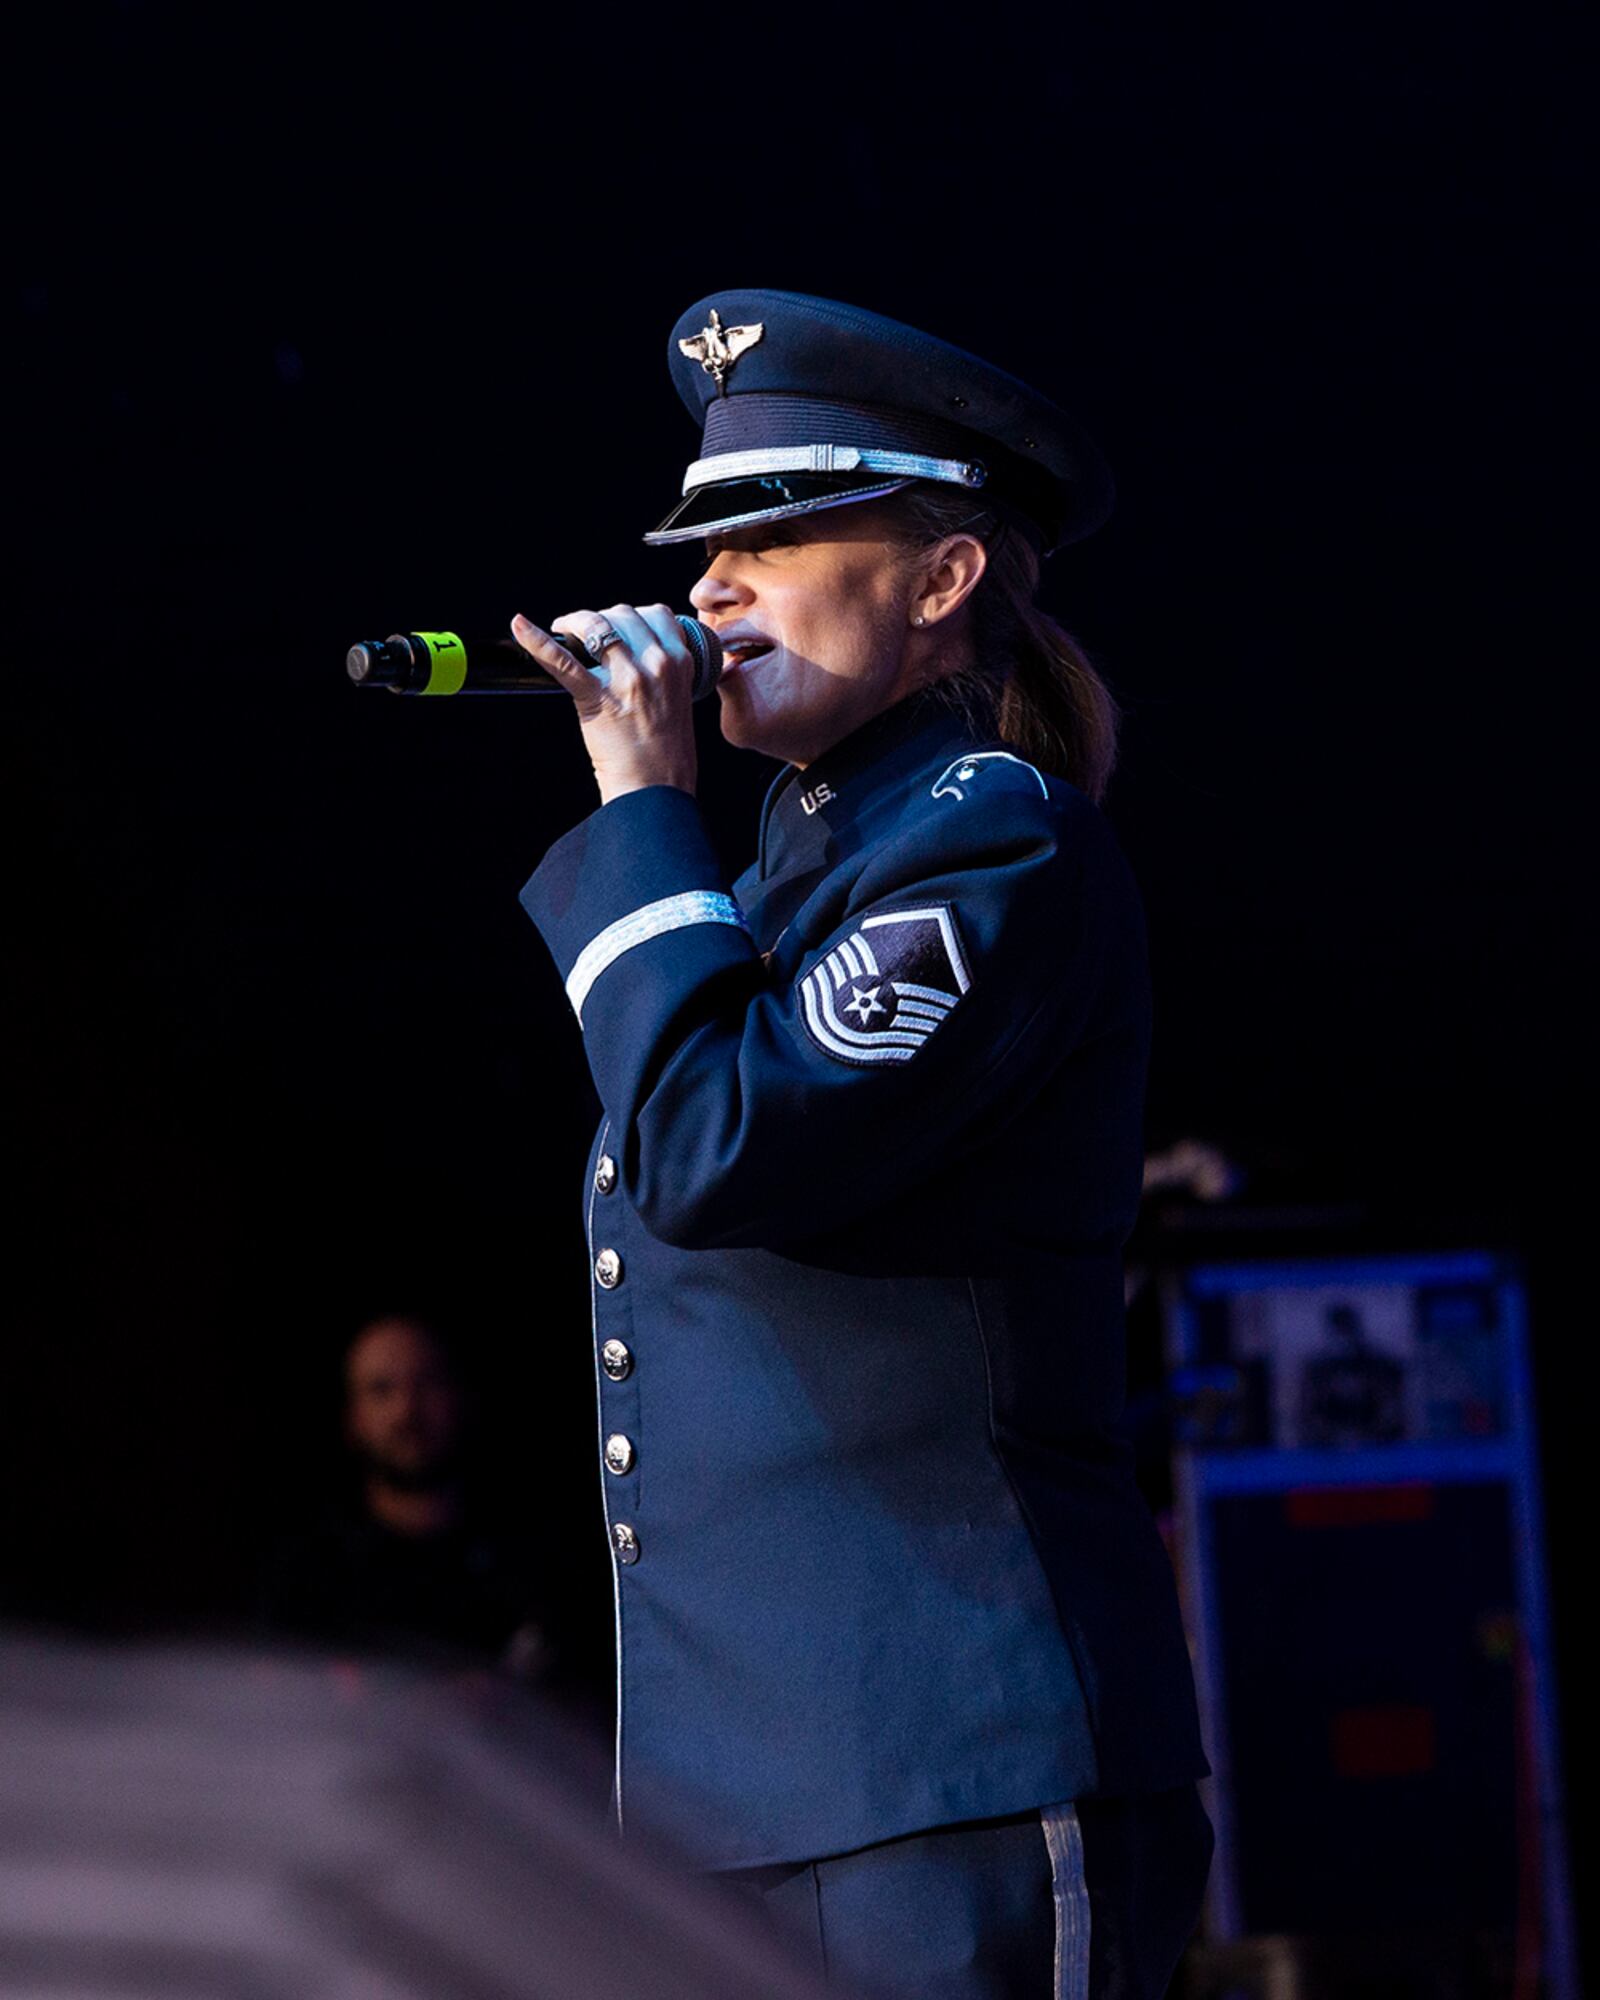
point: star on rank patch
(878, 996)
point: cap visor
(743, 503)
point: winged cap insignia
(717, 347)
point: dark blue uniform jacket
(871, 1148)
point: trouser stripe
(1064, 1838)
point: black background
(339, 323)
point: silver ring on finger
(597, 641)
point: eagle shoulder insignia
(955, 779)
(882, 993)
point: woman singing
(899, 1650)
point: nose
(719, 589)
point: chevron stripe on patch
(879, 995)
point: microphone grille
(707, 650)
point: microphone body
(453, 663)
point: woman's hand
(637, 722)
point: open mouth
(744, 652)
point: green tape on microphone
(447, 662)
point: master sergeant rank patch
(877, 997)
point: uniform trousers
(1088, 1900)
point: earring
(919, 620)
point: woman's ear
(957, 569)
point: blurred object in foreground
(1362, 1560)
(248, 1825)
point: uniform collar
(804, 808)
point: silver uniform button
(608, 1269)
(605, 1174)
(625, 1542)
(616, 1360)
(619, 1453)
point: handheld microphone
(448, 663)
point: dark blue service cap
(805, 403)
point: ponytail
(1027, 680)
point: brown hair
(1027, 680)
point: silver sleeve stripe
(671, 913)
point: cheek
(838, 629)
(867, 636)
(836, 635)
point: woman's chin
(741, 725)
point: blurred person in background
(414, 1563)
